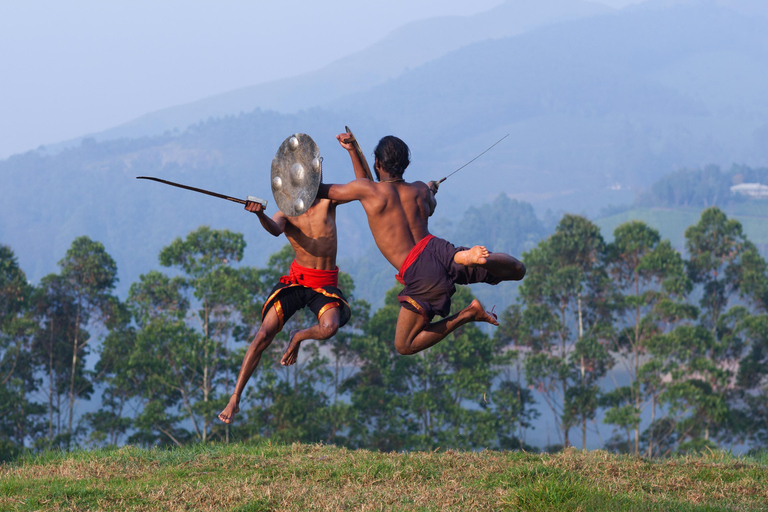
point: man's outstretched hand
(254, 207)
(433, 186)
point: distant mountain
(597, 107)
(405, 48)
(608, 100)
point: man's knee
(403, 347)
(328, 329)
(262, 340)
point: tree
(752, 379)
(204, 258)
(723, 262)
(650, 278)
(88, 275)
(108, 424)
(726, 265)
(18, 413)
(513, 399)
(567, 299)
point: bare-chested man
(312, 282)
(429, 267)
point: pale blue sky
(76, 67)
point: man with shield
(313, 277)
(429, 267)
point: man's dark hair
(393, 154)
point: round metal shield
(297, 170)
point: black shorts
(287, 299)
(430, 280)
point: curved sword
(208, 192)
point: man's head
(393, 155)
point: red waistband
(311, 277)
(412, 256)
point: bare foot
(481, 315)
(232, 408)
(472, 257)
(292, 352)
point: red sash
(413, 256)
(311, 277)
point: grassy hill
(316, 477)
(672, 222)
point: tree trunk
(637, 361)
(74, 369)
(50, 386)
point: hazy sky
(71, 68)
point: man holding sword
(429, 267)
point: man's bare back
(398, 214)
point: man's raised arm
(274, 226)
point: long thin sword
(208, 192)
(478, 156)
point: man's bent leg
(327, 326)
(411, 336)
(501, 265)
(267, 332)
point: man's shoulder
(419, 187)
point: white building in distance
(756, 190)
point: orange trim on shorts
(416, 305)
(330, 305)
(280, 314)
(331, 295)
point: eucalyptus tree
(731, 275)
(88, 275)
(513, 400)
(752, 379)
(54, 313)
(109, 424)
(652, 285)
(215, 290)
(18, 414)
(567, 299)
(724, 263)
(695, 403)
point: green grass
(317, 477)
(672, 223)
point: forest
(688, 330)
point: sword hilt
(262, 202)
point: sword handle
(262, 202)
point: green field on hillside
(318, 477)
(672, 223)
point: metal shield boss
(297, 170)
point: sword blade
(202, 191)
(478, 156)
